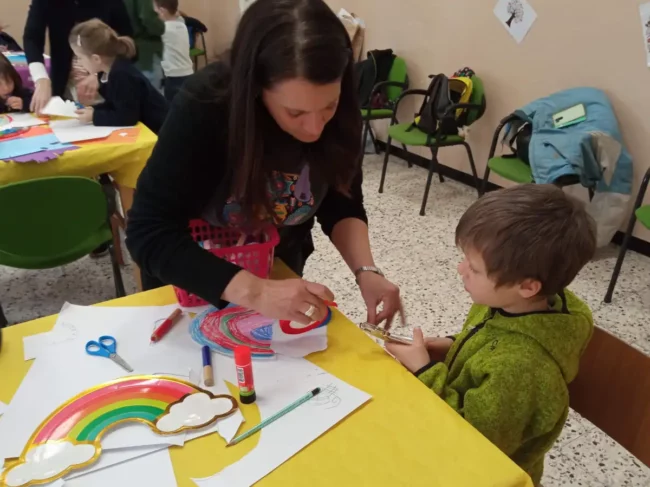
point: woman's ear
(529, 288)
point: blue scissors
(106, 347)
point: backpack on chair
(435, 116)
(372, 70)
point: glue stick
(244, 366)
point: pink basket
(256, 258)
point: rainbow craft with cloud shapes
(70, 438)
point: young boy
(176, 62)
(507, 372)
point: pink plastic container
(256, 258)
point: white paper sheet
(154, 469)
(3, 408)
(516, 16)
(23, 120)
(277, 385)
(298, 345)
(59, 107)
(65, 369)
(34, 345)
(75, 131)
(115, 457)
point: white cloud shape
(197, 409)
(47, 461)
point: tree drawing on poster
(516, 16)
(644, 10)
(516, 9)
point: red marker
(163, 329)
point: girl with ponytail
(129, 96)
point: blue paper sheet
(16, 58)
(21, 146)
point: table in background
(405, 435)
(19, 61)
(123, 161)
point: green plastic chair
(396, 83)
(197, 52)
(508, 167)
(641, 213)
(50, 222)
(408, 134)
(514, 169)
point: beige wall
(572, 43)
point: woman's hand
(42, 95)
(86, 114)
(15, 103)
(288, 299)
(375, 290)
(87, 89)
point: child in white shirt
(176, 62)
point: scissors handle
(104, 347)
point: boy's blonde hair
(95, 37)
(530, 231)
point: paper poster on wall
(516, 16)
(244, 4)
(644, 9)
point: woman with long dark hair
(272, 135)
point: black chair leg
(374, 138)
(486, 176)
(620, 259)
(438, 167)
(406, 150)
(473, 166)
(117, 274)
(433, 165)
(385, 168)
(3, 319)
(628, 234)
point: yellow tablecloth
(122, 161)
(405, 435)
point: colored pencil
(276, 416)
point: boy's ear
(529, 288)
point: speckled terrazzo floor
(418, 253)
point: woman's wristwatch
(367, 268)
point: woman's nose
(315, 124)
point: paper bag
(356, 29)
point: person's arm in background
(34, 42)
(344, 220)
(154, 27)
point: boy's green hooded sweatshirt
(507, 375)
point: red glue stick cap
(242, 354)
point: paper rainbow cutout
(223, 330)
(69, 439)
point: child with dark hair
(507, 372)
(14, 97)
(176, 62)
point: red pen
(166, 325)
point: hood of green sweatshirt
(563, 332)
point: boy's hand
(438, 347)
(414, 356)
(15, 103)
(85, 114)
